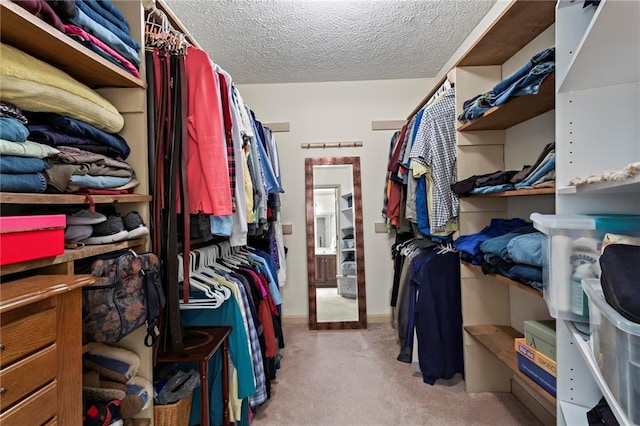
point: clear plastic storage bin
(570, 252)
(616, 349)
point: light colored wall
(325, 204)
(337, 174)
(333, 112)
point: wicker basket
(176, 414)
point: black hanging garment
(167, 140)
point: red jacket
(207, 170)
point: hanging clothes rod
(446, 82)
(156, 7)
(312, 145)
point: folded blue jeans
(547, 55)
(531, 275)
(12, 130)
(111, 8)
(91, 26)
(526, 85)
(123, 24)
(103, 182)
(477, 107)
(471, 243)
(11, 164)
(91, 13)
(526, 249)
(527, 273)
(524, 81)
(492, 189)
(497, 246)
(26, 182)
(546, 168)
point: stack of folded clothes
(21, 161)
(69, 124)
(88, 158)
(96, 24)
(516, 255)
(542, 174)
(508, 247)
(525, 81)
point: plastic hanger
(213, 298)
(205, 269)
(445, 248)
(216, 264)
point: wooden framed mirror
(335, 244)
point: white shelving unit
(585, 350)
(603, 56)
(347, 282)
(629, 186)
(597, 129)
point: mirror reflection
(334, 281)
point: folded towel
(33, 85)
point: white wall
(333, 112)
(324, 203)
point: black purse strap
(155, 303)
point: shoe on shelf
(135, 226)
(110, 231)
(85, 217)
(75, 233)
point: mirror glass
(334, 284)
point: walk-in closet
(304, 212)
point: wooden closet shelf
(517, 110)
(24, 31)
(17, 198)
(520, 23)
(498, 339)
(505, 280)
(70, 255)
(517, 193)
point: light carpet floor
(351, 377)
(331, 307)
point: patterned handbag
(126, 294)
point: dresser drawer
(23, 377)
(26, 335)
(52, 422)
(37, 409)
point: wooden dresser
(41, 350)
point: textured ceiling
(326, 40)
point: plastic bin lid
(593, 289)
(602, 222)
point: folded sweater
(33, 85)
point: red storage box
(25, 238)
